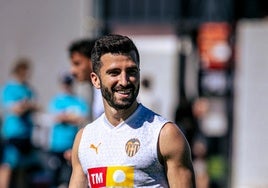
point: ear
(95, 80)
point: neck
(116, 116)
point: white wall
(250, 153)
(42, 31)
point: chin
(122, 106)
(82, 79)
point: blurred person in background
(129, 145)
(19, 104)
(189, 114)
(81, 68)
(1, 139)
(185, 118)
(200, 162)
(69, 112)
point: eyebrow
(134, 67)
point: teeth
(124, 91)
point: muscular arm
(78, 178)
(175, 153)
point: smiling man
(133, 146)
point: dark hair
(21, 64)
(115, 44)
(67, 79)
(82, 46)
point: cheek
(135, 80)
(86, 68)
(109, 83)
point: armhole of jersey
(159, 157)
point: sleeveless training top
(125, 155)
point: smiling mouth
(124, 91)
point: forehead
(117, 60)
(77, 55)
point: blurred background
(204, 65)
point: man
(69, 112)
(129, 145)
(81, 68)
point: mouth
(124, 92)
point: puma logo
(96, 148)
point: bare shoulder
(78, 138)
(175, 153)
(78, 178)
(79, 133)
(76, 145)
(170, 129)
(172, 141)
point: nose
(124, 79)
(72, 70)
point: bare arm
(78, 178)
(71, 118)
(21, 107)
(175, 152)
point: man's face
(23, 74)
(81, 67)
(119, 80)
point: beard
(120, 104)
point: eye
(132, 72)
(113, 72)
(76, 63)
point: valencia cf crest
(132, 147)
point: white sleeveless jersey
(125, 155)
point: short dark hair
(82, 46)
(67, 79)
(21, 64)
(115, 44)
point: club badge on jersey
(132, 147)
